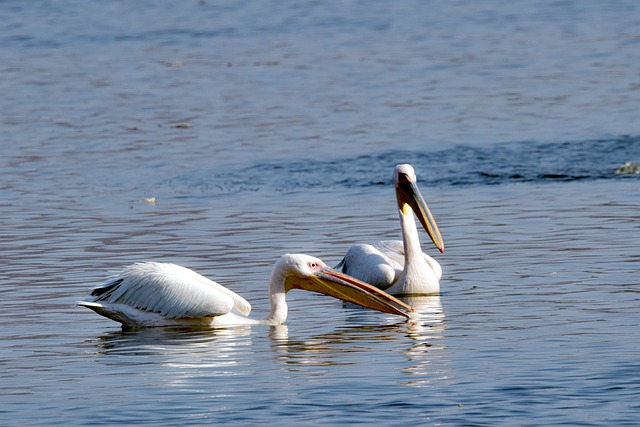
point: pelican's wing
(170, 290)
(369, 264)
(394, 249)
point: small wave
(500, 164)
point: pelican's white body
(397, 266)
(162, 294)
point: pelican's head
(299, 271)
(410, 199)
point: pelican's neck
(417, 276)
(412, 250)
(278, 313)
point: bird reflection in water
(185, 357)
(159, 341)
(422, 354)
(178, 356)
(427, 355)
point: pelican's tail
(132, 318)
(108, 311)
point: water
(263, 128)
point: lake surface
(265, 127)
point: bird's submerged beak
(409, 195)
(339, 285)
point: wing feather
(394, 249)
(170, 290)
(369, 264)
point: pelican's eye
(313, 265)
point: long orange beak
(339, 285)
(408, 194)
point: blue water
(460, 165)
(264, 127)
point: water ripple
(498, 164)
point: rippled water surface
(264, 127)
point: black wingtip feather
(106, 289)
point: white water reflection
(427, 354)
(185, 361)
(418, 346)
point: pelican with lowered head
(161, 294)
(400, 267)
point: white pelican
(400, 267)
(158, 294)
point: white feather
(168, 290)
(397, 266)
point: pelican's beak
(338, 285)
(409, 195)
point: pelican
(151, 294)
(400, 267)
